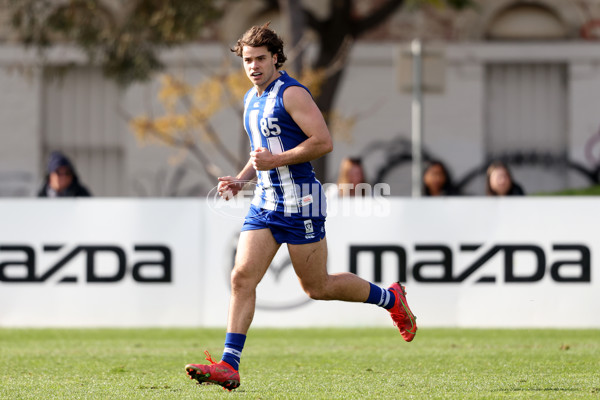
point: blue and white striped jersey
(291, 187)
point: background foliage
(124, 39)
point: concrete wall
(20, 95)
(454, 119)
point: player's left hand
(262, 159)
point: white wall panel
(467, 262)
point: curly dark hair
(258, 36)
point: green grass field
(302, 364)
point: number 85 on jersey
(269, 126)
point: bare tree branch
(312, 21)
(376, 17)
(212, 134)
(291, 10)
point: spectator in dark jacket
(61, 179)
(500, 181)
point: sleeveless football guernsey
(289, 188)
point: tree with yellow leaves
(186, 118)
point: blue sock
(234, 344)
(382, 297)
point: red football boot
(219, 373)
(403, 318)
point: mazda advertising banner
(469, 262)
(99, 262)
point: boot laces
(209, 358)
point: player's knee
(241, 279)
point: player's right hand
(228, 187)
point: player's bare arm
(302, 108)
(229, 186)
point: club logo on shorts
(308, 226)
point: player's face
(259, 65)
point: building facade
(520, 81)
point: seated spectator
(350, 175)
(61, 179)
(437, 180)
(500, 182)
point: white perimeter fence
(467, 262)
